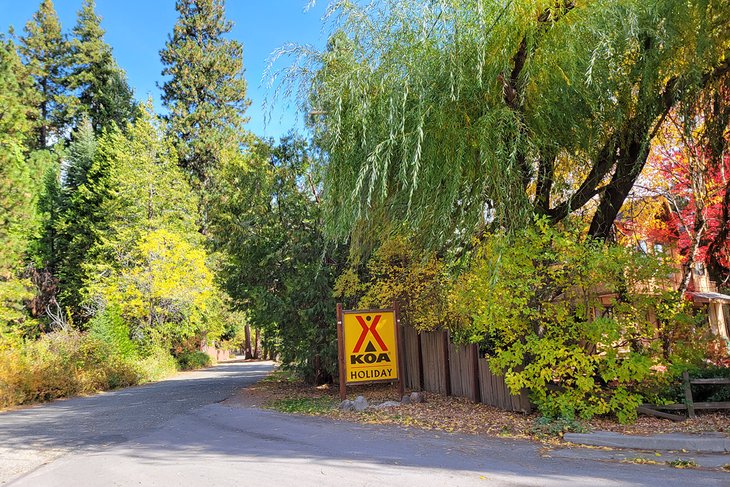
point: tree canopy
(45, 53)
(103, 93)
(206, 91)
(458, 115)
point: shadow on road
(178, 425)
(124, 414)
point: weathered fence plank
(414, 372)
(434, 364)
(464, 372)
(434, 377)
(495, 392)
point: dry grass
(449, 414)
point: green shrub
(154, 364)
(67, 363)
(545, 426)
(190, 360)
(110, 328)
(535, 299)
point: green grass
(303, 405)
(679, 463)
(281, 375)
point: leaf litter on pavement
(449, 414)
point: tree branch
(513, 90)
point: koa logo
(371, 329)
(369, 358)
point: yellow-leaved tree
(165, 294)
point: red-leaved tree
(691, 167)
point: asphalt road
(178, 433)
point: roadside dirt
(449, 414)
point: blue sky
(138, 29)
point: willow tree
(455, 115)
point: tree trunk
(247, 343)
(256, 345)
(627, 171)
(715, 268)
(699, 230)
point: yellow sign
(371, 349)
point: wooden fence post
(475, 372)
(421, 383)
(688, 395)
(447, 369)
(401, 356)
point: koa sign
(368, 346)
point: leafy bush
(398, 271)
(61, 364)
(190, 360)
(155, 363)
(110, 328)
(569, 320)
(67, 362)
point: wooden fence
(689, 403)
(434, 364)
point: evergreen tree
(277, 263)
(83, 191)
(45, 52)
(103, 92)
(206, 91)
(16, 193)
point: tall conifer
(206, 91)
(45, 53)
(16, 195)
(16, 189)
(103, 92)
(81, 197)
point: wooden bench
(689, 405)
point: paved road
(178, 432)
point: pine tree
(45, 53)
(103, 92)
(82, 193)
(16, 188)
(206, 92)
(16, 195)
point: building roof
(708, 297)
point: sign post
(341, 352)
(368, 345)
